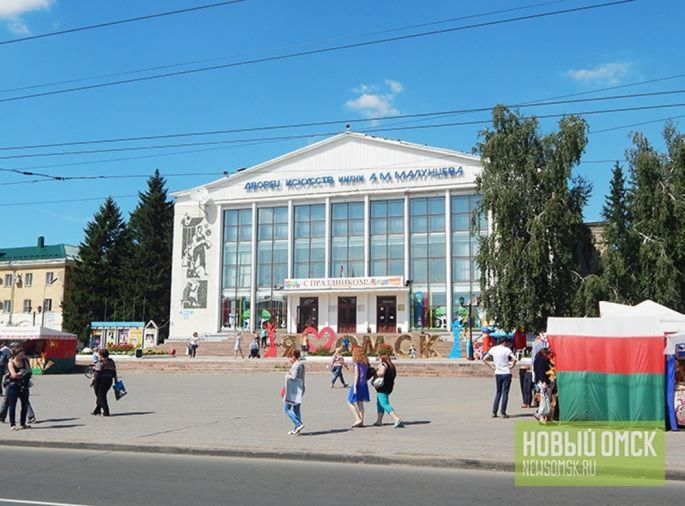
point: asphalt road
(72, 477)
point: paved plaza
(448, 420)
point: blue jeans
(503, 382)
(383, 403)
(15, 393)
(337, 373)
(294, 413)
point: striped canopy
(609, 369)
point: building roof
(341, 137)
(37, 253)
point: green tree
(97, 275)
(148, 268)
(528, 264)
(620, 245)
(652, 206)
(675, 167)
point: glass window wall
(237, 268)
(347, 240)
(387, 238)
(309, 237)
(427, 252)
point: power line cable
(330, 133)
(317, 51)
(541, 103)
(292, 46)
(636, 124)
(120, 22)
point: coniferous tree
(528, 264)
(148, 269)
(652, 206)
(620, 246)
(97, 274)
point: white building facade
(355, 233)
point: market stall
(609, 369)
(49, 351)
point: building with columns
(354, 232)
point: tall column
(253, 280)
(367, 234)
(407, 270)
(327, 236)
(448, 257)
(291, 235)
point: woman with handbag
(19, 372)
(293, 392)
(384, 383)
(103, 378)
(359, 391)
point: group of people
(16, 382)
(534, 377)
(381, 378)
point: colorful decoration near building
(195, 243)
(456, 333)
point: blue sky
(509, 63)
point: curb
(411, 461)
(417, 461)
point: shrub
(321, 351)
(120, 348)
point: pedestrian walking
(237, 347)
(526, 381)
(105, 375)
(4, 361)
(504, 360)
(544, 385)
(4, 405)
(359, 391)
(19, 376)
(304, 346)
(192, 345)
(337, 364)
(384, 383)
(294, 391)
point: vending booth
(49, 351)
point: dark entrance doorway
(347, 314)
(308, 313)
(386, 314)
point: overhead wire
(292, 46)
(319, 51)
(119, 22)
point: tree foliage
(97, 274)
(529, 261)
(148, 267)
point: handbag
(119, 389)
(378, 382)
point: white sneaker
(298, 429)
(292, 433)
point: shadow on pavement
(53, 420)
(134, 413)
(68, 426)
(325, 432)
(416, 422)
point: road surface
(74, 477)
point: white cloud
(609, 73)
(376, 100)
(18, 27)
(11, 10)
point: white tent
(669, 320)
(32, 334)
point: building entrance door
(386, 314)
(308, 313)
(347, 314)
